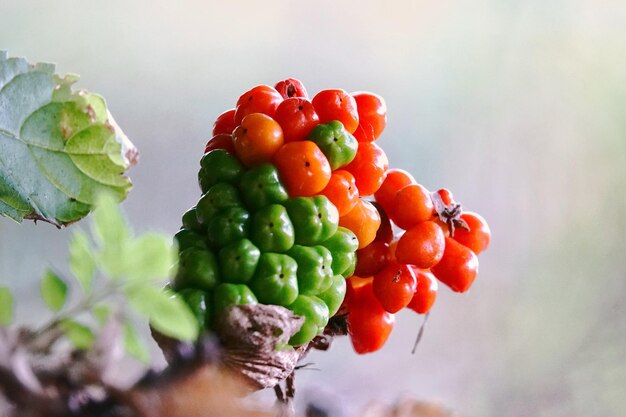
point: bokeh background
(518, 107)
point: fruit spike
(282, 215)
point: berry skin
(304, 170)
(363, 220)
(422, 245)
(260, 99)
(479, 235)
(372, 116)
(372, 258)
(238, 261)
(291, 87)
(385, 231)
(394, 286)
(425, 293)
(369, 168)
(446, 196)
(369, 325)
(339, 146)
(316, 315)
(412, 205)
(257, 139)
(220, 141)
(275, 280)
(272, 230)
(458, 266)
(342, 191)
(225, 123)
(395, 180)
(315, 219)
(337, 105)
(297, 117)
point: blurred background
(518, 107)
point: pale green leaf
(134, 345)
(166, 311)
(53, 291)
(101, 312)
(81, 336)
(59, 148)
(82, 262)
(6, 307)
(112, 233)
(149, 257)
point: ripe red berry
(257, 139)
(394, 286)
(446, 196)
(291, 88)
(369, 168)
(225, 123)
(337, 105)
(260, 99)
(425, 293)
(458, 266)
(412, 205)
(342, 191)
(297, 117)
(372, 116)
(385, 231)
(369, 325)
(220, 141)
(395, 180)
(422, 245)
(479, 235)
(372, 258)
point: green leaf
(101, 312)
(53, 291)
(82, 262)
(166, 311)
(81, 336)
(133, 344)
(6, 307)
(112, 234)
(150, 256)
(59, 148)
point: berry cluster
(436, 240)
(284, 220)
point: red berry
(225, 123)
(342, 191)
(479, 235)
(372, 258)
(394, 286)
(291, 88)
(422, 245)
(412, 205)
(369, 168)
(220, 141)
(458, 266)
(260, 99)
(395, 180)
(337, 105)
(297, 117)
(304, 169)
(363, 220)
(446, 196)
(425, 293)
(257, 139)
(369, 325)
(372, 116)
(385, 231)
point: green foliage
(53, 291)
(82, 263)
(167, 312)
(80, 335)
(6, 307)
(59, 148)
(133, 344)
(114, 271)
